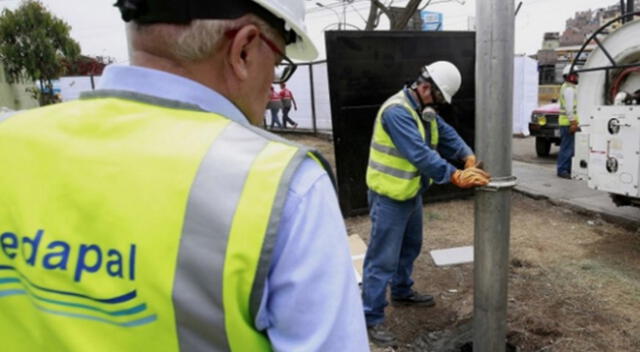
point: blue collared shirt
(404, 133)
(311, 300)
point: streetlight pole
(494, 104)
(334, 11)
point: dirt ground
(574, 280)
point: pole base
(458, 339)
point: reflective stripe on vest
(136, 227)
(389, 173)
(563, 119)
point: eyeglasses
(285, 68)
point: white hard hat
(446, 77)
(278, 13)
(292, 13)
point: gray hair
(195, 41)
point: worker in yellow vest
(405, 158)
(151, 215)
(568, 121)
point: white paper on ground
(452, 256)
(358, 249)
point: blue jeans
(566, 151)
(394, 244)
(274, 115)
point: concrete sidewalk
(541, 182)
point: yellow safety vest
(389, 173)
(132, 225)
(563, 119)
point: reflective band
(387, 150)
(246, 245)
(270, 237)
(407, 175)
(7, 115)
(197, 292)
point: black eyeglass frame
(290, 66)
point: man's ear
(242, 50)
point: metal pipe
(494, 93)
(630, 9)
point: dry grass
(574, 281)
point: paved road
(524, 149)
(537, 178)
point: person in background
(274, 105)
(408, 149)
(568, 121)
(152, 214)
(287, 98)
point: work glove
(470, 161)
(471, 177)
(573, 127)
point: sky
(97, 26)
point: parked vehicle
(544, 126)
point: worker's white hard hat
(287, 16)
(446, 77)
(292, 12)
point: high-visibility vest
(129, 224)
(389, 173)
(563, 119)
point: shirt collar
(414, 103)
(165, 85)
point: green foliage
(34, 45)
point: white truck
(607, 150)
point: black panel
(365, 68)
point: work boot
(565, 175)
(380, 335)
(415, 299)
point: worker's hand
(470, 161)
(573, 127)
(471, 177)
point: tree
(398, 19)
(34, 44)
(396, 22)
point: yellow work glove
(573, 127)
(471, 177)
(470, 161)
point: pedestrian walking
(287, 99)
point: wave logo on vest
(80, 261)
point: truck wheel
(543, 146)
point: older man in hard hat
(408, 149)
(150, 215)
(568, 121)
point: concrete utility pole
(494, 94)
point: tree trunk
(408, 12)
(374, 14)
(396, 22)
